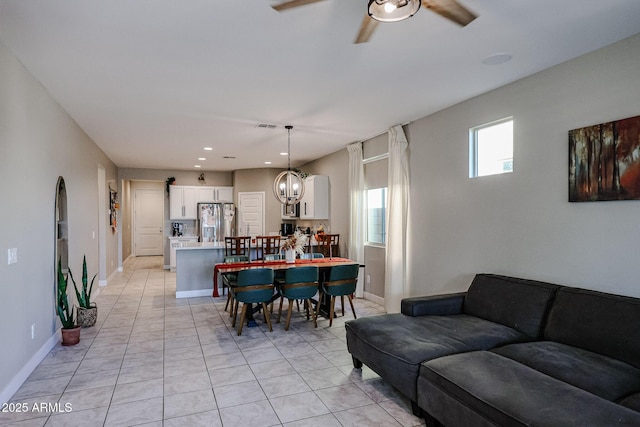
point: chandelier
(288, 187)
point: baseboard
(374, 298)
(22, 375)
(194, 294)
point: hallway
(156, 360)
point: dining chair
(237, 245)
(254, 286)
(230, 279)
(267, 245)
(273, 257)
(342, 281)
(300, 283)
(328, 244)
(313, 255)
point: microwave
(291, 211)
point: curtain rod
(383, 132)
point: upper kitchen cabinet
(223, 194)
(315, 202)
(182, 202)
(215, 194)
(183, 199)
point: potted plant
(170, 181)
(294, 245)
(70, 331)
(87, 311)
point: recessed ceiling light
(208, 148)
(267, 163)
(283, 154)
(497, 58)
(197, 166)
(202, 158)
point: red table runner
(272, 264)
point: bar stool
(328, 244)
(237, 245)
(267, 245)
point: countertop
(200, 245)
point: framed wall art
(604, 161)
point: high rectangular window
(376, 200)
(491, 148)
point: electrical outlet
(33, 331)
(12, 256)
(368, 279)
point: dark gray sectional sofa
(510, 352)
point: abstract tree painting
(604, 161)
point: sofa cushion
(596, 321)
(601, 375)
(394, 345)
(518, 303)
(484, 388)
(632, 401)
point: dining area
(259, 273)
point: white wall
(521, 224)
(38, 143)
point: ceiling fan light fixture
(392, 10)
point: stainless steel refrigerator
(215, 221)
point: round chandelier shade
(288, 187)
(392, 10)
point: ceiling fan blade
(366, 29)
(450, 9)
(293, 3)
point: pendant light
(288, 186)
(392, 10)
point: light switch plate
(12, 256)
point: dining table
(324, 264)
(234, 267)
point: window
(491, 148)
(376, 201)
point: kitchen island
(194, 268)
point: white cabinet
(176, 242)
(182, 202)
(315, 202)
(223, 194)
(214, 194)
(183, 199)
(205, 194)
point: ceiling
(153, 82)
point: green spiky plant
(84, 296)
(64, 310)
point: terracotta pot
(70, 336)
(87, 316)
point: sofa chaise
(509, 352)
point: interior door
(251, 214)
(148, 222)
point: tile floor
(155, 360)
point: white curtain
(396, 272)
(356, 208)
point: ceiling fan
(396, 10)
